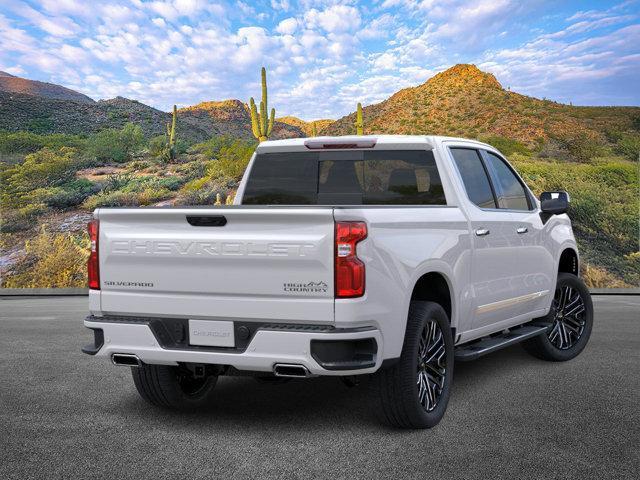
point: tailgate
(260, 264)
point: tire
(571, 319)
(173, 387)
(400, 387)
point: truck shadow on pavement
(327, 401)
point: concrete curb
(35, 292)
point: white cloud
(338, 18)
(280, 5)
(287, 26)
(56, 26)
(15, 70)
(159, 22)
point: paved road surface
(66, 415)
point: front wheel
(570, 319)
(414, 392)
(173, 387)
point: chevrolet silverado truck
(395, 256)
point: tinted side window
(283, 179)
(509, 190)
(474, 177)
(402, 177)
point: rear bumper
(318, 349)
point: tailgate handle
(207, 221)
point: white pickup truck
(344, 256)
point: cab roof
(359, 142)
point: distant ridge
(467, 102)
(12, 84)
(306, 127)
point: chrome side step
(471, 351)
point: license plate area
(211, 333)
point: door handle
(207, 221)
(522, 230)
(481, 232)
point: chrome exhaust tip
(290, 370)
(126, 360)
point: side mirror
(554, 203)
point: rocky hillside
(464, 101)
(12, 84)
(231, 117)
(306, 126)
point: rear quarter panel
(403, 244)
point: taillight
(349, 269)
(93, 267)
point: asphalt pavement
(66, 415)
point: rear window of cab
(382, 177)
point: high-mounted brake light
(93, 267)
(349, 269)
(344, 142)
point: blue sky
(322, 56)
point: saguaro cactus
(314, 130)
(359, 125)
(260, 124)
(171, 135)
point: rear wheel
(571, 321)
(414, 392)
(173, 387)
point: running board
(471, 351)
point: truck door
(510, 268)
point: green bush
(116, 145)
(507, 146)
(604, 207)
(53, 260)
(16, 220)
(44, 169)
(126, 199)
(68, 195)
(581, 146)
(629, 146)
(28, 142)
(157, 145)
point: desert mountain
(44, 114)
(12, 84)
(464, 101)
(306, 127)
(231, 117)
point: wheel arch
(569, 262)
(435, 286)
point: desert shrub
(157, 145)
(68, 195)
(604, 208)
(596, 277)
(126, 199)
(171, 183)
(19, 219)
(51, 261)
(116, 145)
(116, 182)
(44, 169)
(579, 146)
(207, 195)
(232, 161)
(629, 146)
(40, 125)
(507, 146)
(225, 145)
(28, 142)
